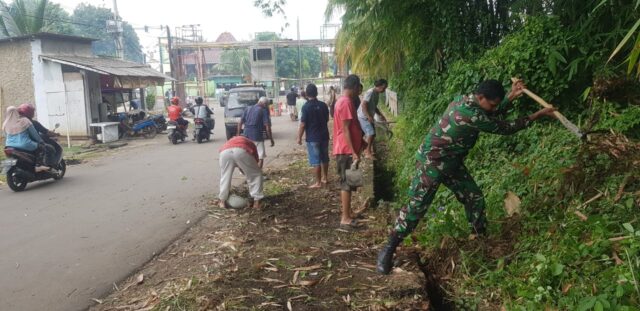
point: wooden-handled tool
(568, 124)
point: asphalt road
(63, 243)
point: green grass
(558, 260)
(272, 188)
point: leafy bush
(150, 100)
(558, 260)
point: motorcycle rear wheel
(62, 170)
(15, 183)
(174, 139)
(149, 132)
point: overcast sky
(239, 17)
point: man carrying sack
(440, 159)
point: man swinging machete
(440, 159)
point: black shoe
(385, 257)
(479, 229)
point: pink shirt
(344, 110)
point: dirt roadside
(290, 255)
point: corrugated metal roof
(108, 66)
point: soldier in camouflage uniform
(440, 159)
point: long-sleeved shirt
(458, 129)
(27, 140)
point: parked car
(236, 102)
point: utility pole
(161, 54)
(118, 31)
(299, 55)
(173, 69)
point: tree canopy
(22, 17)
(91, 21)
(436, 33)
(235, 61)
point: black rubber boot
(385, 257)
(479, 228)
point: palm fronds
(23, 17)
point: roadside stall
(111, 92)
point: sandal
(359, 216)
(352, 225)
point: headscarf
(14, 123)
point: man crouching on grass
(240, 152)
(440, 159)
(313, 123)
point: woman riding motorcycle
(28, 111)
(20, 132)
(52, 150)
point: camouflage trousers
(428, 177)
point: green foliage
(517, 55)
(91, 21)
(611, 115)
(634, 53)
(57, 20)
(23, 17)
(235, 62)
(270, 7)
(557, 260)
(435, 34)
(150, 101)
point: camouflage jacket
(457, 131)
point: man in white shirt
(367, 111)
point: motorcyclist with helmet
(175, 113)
(203, 112)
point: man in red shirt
(347, 144)
(240, 152)
(175, 113)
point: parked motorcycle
(146, 128)
(135, 124)
(20, 166)
(201, 131)
(160, 121)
